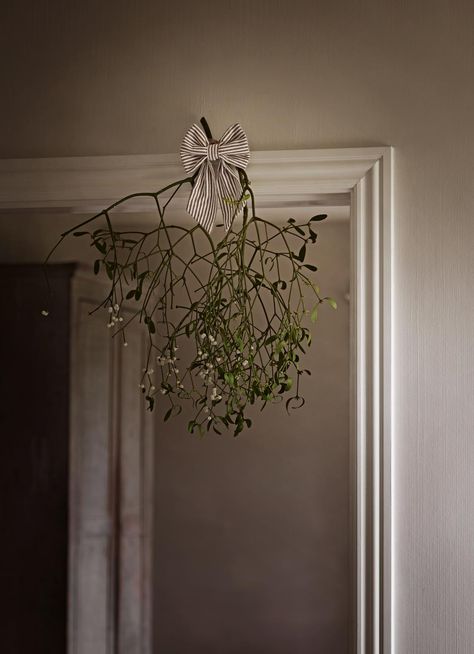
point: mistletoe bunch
(227, 321)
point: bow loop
(218, 181)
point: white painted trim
(84, 184)
(288, 179)
(372, 216)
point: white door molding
(296, 179)
(372, 361)
(111, 486)
(83, 184)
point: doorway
(49, 191)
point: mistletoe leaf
(229, 378)
(302, 253)
(151, 325)
(100, 245)
(174, 410)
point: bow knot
(217, 182)
(213, 151)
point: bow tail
(202, 205)
(229, 192)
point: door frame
(361, 176)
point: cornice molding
(281, 178)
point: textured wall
(122, 77)
(253, 539)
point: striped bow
(217, 182)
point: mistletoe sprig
(245, 304)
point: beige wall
(122, 77)
(253, 534)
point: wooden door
(34, 441)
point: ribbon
(217, 182)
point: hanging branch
(247, 312)
(206, 128)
